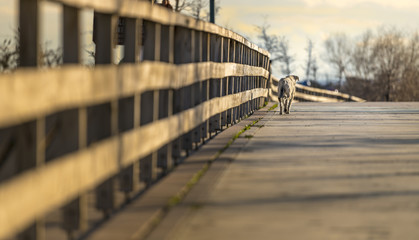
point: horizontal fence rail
(74, 130)
(310, 94)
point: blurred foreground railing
(310, 94)
(74, 131)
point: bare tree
(9, 54)
(382, 67)
(338, 53)
(362, 56)
(286, 59)
(410, 76)
(309, 61)
(268, 41)
(277, 46)
(198, 9)
(314, 69)
(390, 53)
(181, 5)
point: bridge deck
(326, 171)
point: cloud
(348, 3)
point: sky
(298, 20)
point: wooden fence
(310, 94)
(73, 130)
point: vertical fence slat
(29, 33)
(197, 87)
(75, 213)
(149, 33)
(165, 47)
(148, 170)
(183, 51)
(149, 113)
(105, 27)
(215, 84)
(165, 152)
(206, 47)
(129, 177)
(31, 154)
(71, 32)
(133, 32)
(35, 231)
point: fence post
(197, 86)
(129, 116)
(224, 91)
(149, 113)
(176, 107)
(204, 98)
(164, 160)
(206, 47)
(36, 230)
(184, 53)
(29, 57)
(133, 40)
(150, 99)
(29, 51)
(75, 213)
(164, 154)
(105, 36)
(240, 82)
(215, 84)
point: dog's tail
(284, 91)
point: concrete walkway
(326, 171)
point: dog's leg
(280, 106)
(286, 106)
(289, 105)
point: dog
(286, 92)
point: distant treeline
(381, 66)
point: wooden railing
(310, 94)
(73, 130)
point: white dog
(286, 91)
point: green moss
(248, 136)
(273, 107)
(196, 206)
(177, 198)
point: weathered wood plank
(332, 95)
(21, 98)
(312, 98)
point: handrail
(76, 128)
(76, 85)
(310, 94)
